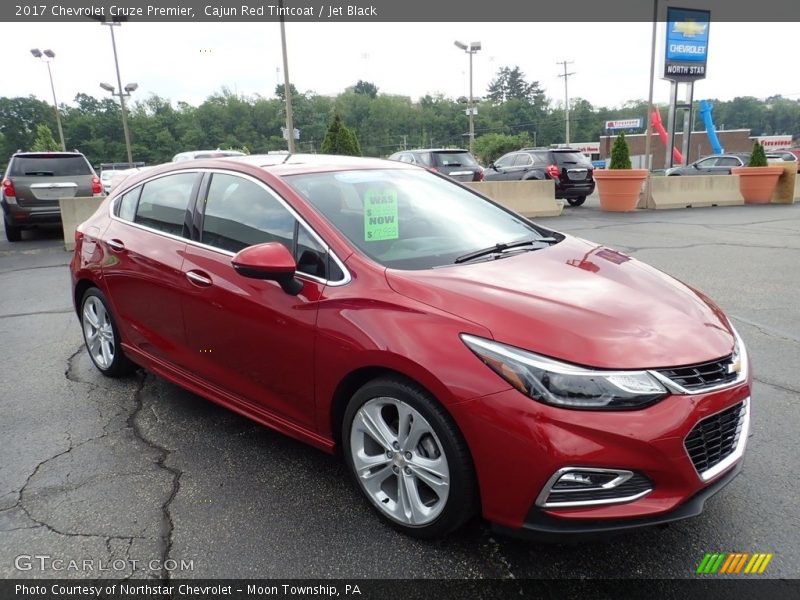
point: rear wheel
(13, 232)
(102, 336)
(576, 201)
(408, 458)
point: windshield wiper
(500, 248)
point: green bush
(491, 146)
(758, 158)
(620, 154)
(340, 140)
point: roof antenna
(288, 156)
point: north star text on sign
(352, 11)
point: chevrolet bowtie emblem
(689, 28)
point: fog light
(587, 486)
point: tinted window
(409, 219)
(728, 161)
(571, 158)
(163, 202)
(455, 159)
(310, 256)
(55, 166)
(126, 209)
(423, 158)
(241, 213)
(522, 160)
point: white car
(121, 175)
(197, 154)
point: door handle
(201, 280)
(116, 245)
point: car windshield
(572, 158)
(51, 166)
(410, 219)
(455, 159)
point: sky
(190, 61)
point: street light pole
(650, 108)
(471, 49)
(51, 55)
(287, 90)
(111, 25)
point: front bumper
(540, 526)
(517, 444)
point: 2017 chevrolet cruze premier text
(463, 359)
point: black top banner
(187, 11)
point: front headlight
(565, 385)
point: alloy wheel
(98, 332)
(399, 461)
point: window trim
(198, 206)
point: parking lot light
(471, 49)
(47, 56)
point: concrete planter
(619, 188)
(75, 211)
(756, 184)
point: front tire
(102, 337)
(408, 458)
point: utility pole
(566, 95)
(405, 140)
(287, 90)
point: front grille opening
(637, 484)
(714, 438)
(703, 375)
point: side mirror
(694, 165)
(492, 167)
(270, 261)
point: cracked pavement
(136, 471)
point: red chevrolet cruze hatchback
(461, 358)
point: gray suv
(33, 183)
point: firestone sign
(686, 49)
(624, 124)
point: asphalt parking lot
(139, 470)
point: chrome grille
(703, 375)
(714, 438)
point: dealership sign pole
(685, 57)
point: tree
(491, 146)
(279, 91)
(44, 141)
(366, 88)
(340, 140)
(510, 84)
(620, 154)
(758, 158)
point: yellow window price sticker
(380, 215)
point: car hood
(579, 302)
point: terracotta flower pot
(756, 184)
(619, 188)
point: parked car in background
(785, 155)
(107, 171)
(198, 154)
(453, 162)
(123, 174)
(571, 171)
(33, 183)
(460, 357)
(715, 164)
(721, 164)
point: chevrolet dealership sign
(686, 49)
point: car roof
(434, 150)
(57, 154)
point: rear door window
(522, 160)
(52, 166)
